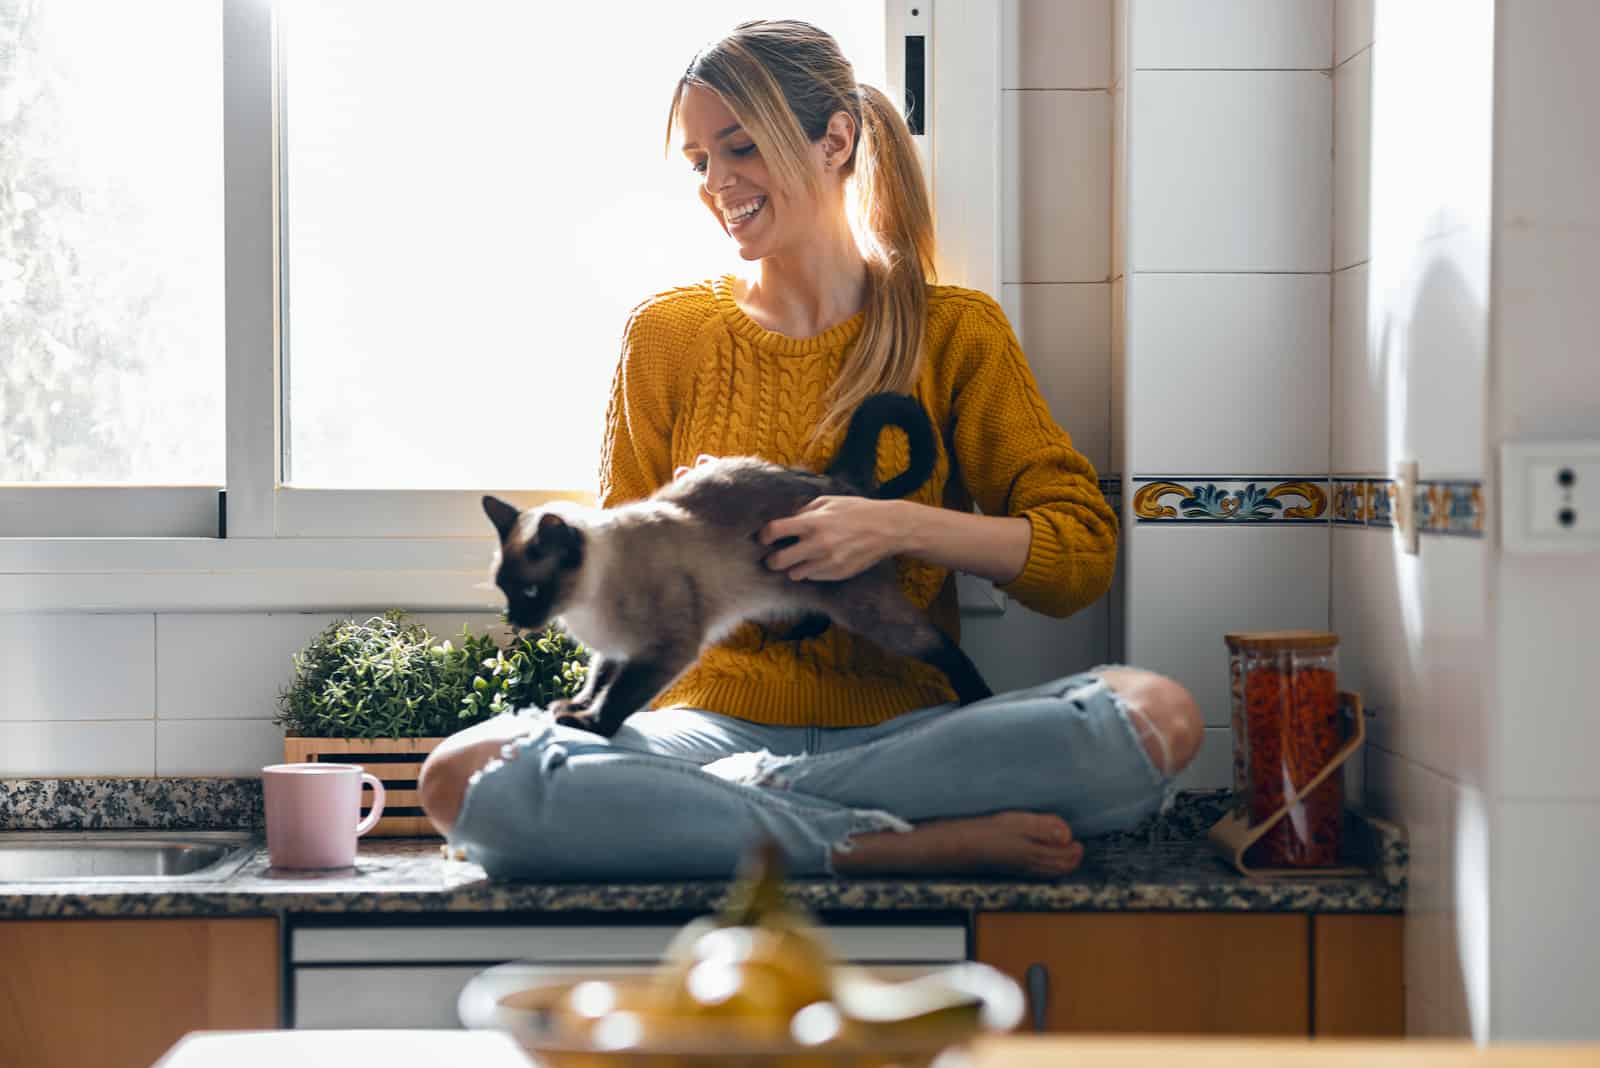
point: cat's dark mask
(536, 560)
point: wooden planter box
(395, 761)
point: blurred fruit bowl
(607, 1020)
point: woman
(855, 761)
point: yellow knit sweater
(697, 375)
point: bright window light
(111, 279)
(476, 197)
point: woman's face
(736, 186)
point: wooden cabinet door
(121, 992)
(1358, 976)
(1156, 972)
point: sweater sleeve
(1016, 461)
(636, 453)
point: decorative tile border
(1230, 499)
(1444, 506)
(1451, 507)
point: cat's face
(538, 561)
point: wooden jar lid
(1274, 640)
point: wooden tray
(395, 761)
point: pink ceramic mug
(312, 813)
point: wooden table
(487, 1049)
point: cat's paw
(582, 718)
(566, 706)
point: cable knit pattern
(697, 375)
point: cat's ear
(501, 514)
(555, 534)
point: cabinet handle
(1037, 978)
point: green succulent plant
(388, 677)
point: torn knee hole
(1155, 743)
(757, 768)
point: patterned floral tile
(1451, 508)
(1444, 506)
(1350, 501)
(1380, 502)
(1209, 499)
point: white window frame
(291, 548)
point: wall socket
(1551, 495)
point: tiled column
(1056, 268)
(1228, 187)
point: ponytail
(893, 224)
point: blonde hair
(783, 80)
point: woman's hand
(837, 537)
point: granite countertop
(1165, 865)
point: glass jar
(1288, 708)
(1241, 741)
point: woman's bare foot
(1034, 844)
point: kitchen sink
(122, 856)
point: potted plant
(383, 693)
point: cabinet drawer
(1163, 973)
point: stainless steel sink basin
(122, 856)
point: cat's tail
(857, 462)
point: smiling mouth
(745, 213)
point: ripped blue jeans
(680, 793)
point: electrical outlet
(1551, 496)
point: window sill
(244, 574)
(273, 574)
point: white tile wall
(51, 749)
(1056, 44)
(1414, 640)
(1119, 377)
(1352, 28)
(1022, 648)
(1188, 585)
(1547, 144)
(77, 667)
(1231, 373)
(217, 746)
(1119, 41)
(1548, 376)
(1119, 180)
(1445, 900)
(1546, 382)
(1358, 403)
(1435, 323)
(228, 665)
(1547, 943)
(1212, 768)
(1057, 186)
(1352, 159)
(1432, 135)
(1547, 627)
(1232, 34)
(1065, 331)
(1229, 171)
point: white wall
(154, 693)
(1412, 98)
(1546, 383)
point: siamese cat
(647, 585)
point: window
(354, 264)
(111, 286)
